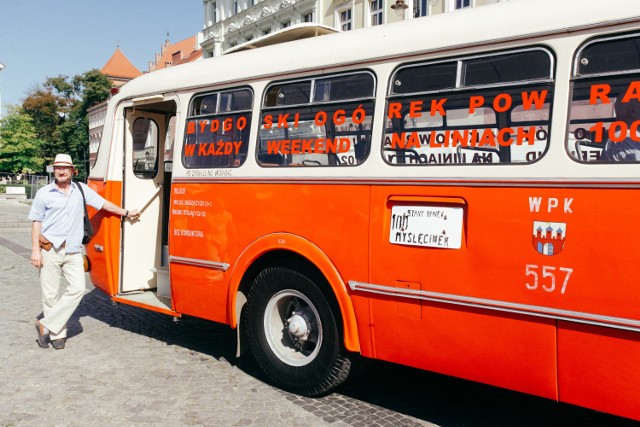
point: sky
(48, 38)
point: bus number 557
(547, 276)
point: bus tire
(293, 333)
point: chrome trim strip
(599, 183)
(529, 310)
(199, 263)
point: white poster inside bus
(429, 226)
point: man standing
(56, 235)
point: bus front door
(143, 263)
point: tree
(90, 88)
(59, 111)
(19, 144)
(94, 87)
(75, 134)
(45, 107)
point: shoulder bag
(88, 229)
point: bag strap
(84, 201)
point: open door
(149, 132)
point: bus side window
(204, 105)
(329, 126)
(217, 130)
(478, 110)
(604, 121)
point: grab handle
(151, 197)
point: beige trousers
(58, 302)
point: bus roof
(495, 23)
(291, 33)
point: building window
(376, 12)
(421, 8)
(462, 4)
(236, 7)
(345, 20)
(308, 17)
(286, 24)
(267, 31)
(212, 13)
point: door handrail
(151, 197)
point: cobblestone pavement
(125, 366)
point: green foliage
(95, 88)
(74, 132)
(43, 107)
(61, 86)
(57, 112)
(19, 143)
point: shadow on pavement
(449, 401)
(385, 394)
(216, 340)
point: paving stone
(124, 366)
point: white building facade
(229, 23)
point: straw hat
(63, 160)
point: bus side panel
(495, 347)
(532, 250)
(200, 292)
(508, 351)
(105, 263)
(598, 368)
(362, 309)
(217, 222)
(554, 251)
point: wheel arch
(274, 249)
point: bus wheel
(293, 333)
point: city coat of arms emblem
(549, 237)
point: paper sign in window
(428, 226)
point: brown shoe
(43, 335)
(58, 344)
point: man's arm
(36, 254)
(117, 210)
(94, 199)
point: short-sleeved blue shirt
(62, 215)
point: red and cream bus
(436, 193)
